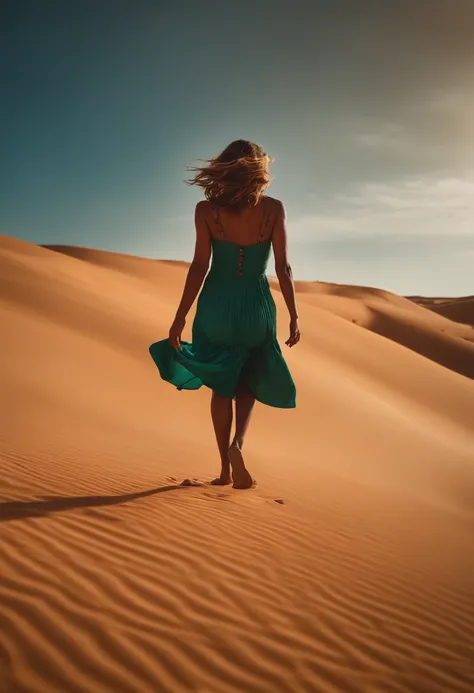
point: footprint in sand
(191, 482)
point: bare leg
(221, 412)
(244, 404)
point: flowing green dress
(234, 331)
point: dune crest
(457, 309)
(348, 569)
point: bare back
(245, 227)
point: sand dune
(349, 568)
(434, 336)
(458, 309)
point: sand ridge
(349, 568)
(457, 309)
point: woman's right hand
(295, 334)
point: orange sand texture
(348, 569)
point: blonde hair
(236, 178)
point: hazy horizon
(366, 108)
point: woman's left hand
(176, 330)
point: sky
(366, 107)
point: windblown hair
(235, 179)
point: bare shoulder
(275, 205)
(273, 201)
(203, 207)
(203, 213)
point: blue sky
(366, 107)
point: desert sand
(458, 309)
(349, 568)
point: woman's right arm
(196, 274)
(283, 271)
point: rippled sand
(348, 569)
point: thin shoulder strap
(218, 221)
(264, 220)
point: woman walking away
(234, 349)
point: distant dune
(458, 309)
(400, 319)
(348, 569)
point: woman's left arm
(196, 274)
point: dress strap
(264, 221)
(218, 221)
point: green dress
(234, 330)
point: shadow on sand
(18, 510)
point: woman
(234, 349)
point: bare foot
(240, 474)
(222, 480)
